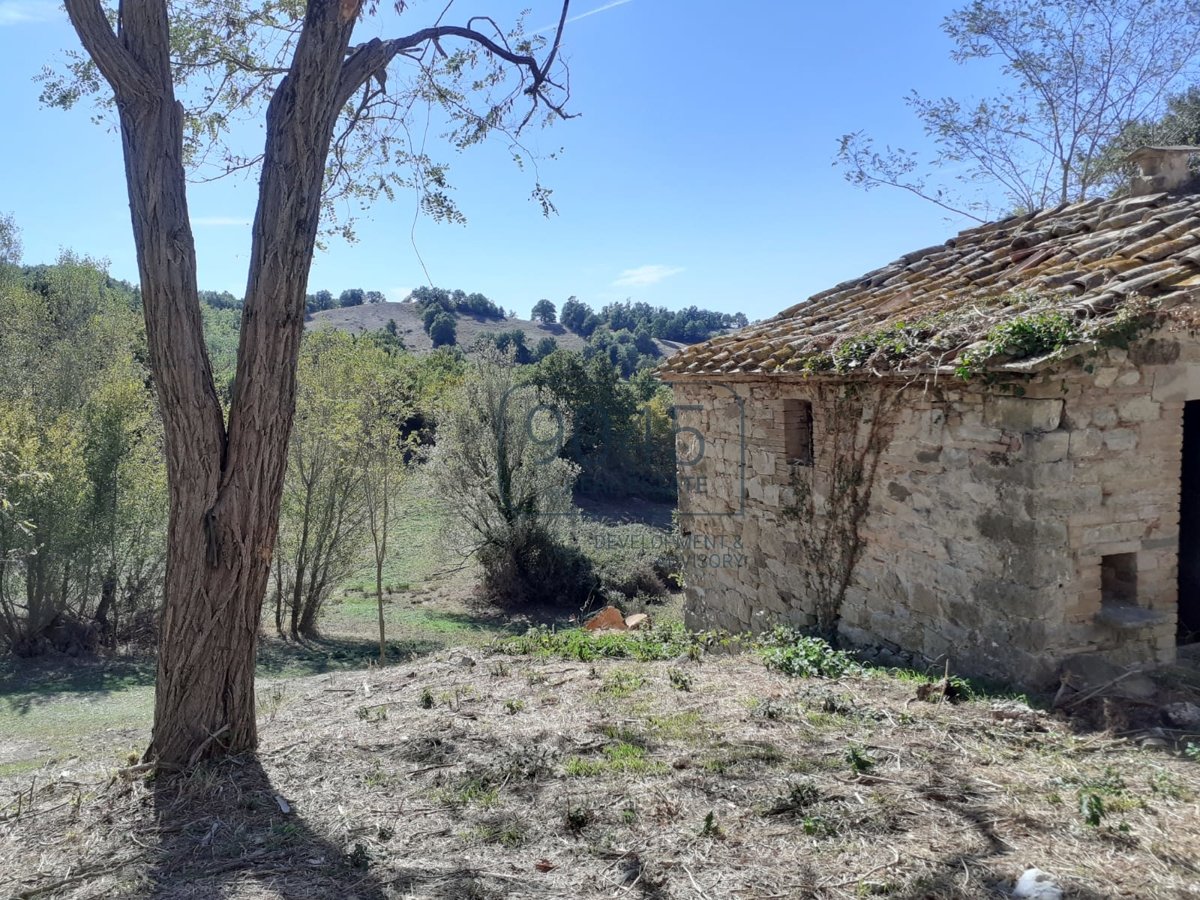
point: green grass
(621, 683)
(50, 709)
(680, 726)
(663, 641)
(414, 556)
(617, 758)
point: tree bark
(226, 482)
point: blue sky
(699, 171)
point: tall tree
(1076, 74)
(385, 409)
(10, 241)
(330, 116)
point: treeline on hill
(440, 308)
(624, 332)
(83, 496)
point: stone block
(1022, 414)
(1138, 409)
(1120, 439)
(1048, 447)
(1170, 384)
(1130, 378)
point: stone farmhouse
(986, 453)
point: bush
(793, 653)
(443, 330)
(533, 567)
(507, 492)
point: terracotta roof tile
(1082, 264)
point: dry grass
(477, 776)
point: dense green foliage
(513, 342)
(83, 479)
(456, 301)
(82, 476)
(795, 653)
(688, 325)
(622, 438)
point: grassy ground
(471, 774)
(52, 709)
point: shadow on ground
(225, 828)
(315, 656)
(26, 683)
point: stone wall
(990, 516)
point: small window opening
(798, 432)
(1118, 579)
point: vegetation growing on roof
(896, 342)
(1131, 322)
(1037, 330)
(1034, 334)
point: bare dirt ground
(467, 774)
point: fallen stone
(1034, 884)
(608, 619)
(637, 620)
(1183, 714)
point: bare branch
(367, 59)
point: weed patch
(656, 643)
(621, 683)
(792, 653)
(619, 758)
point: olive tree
(1076, 74)
(177, 76)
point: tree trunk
(225, 485)
(379, 600)
(278, 593)
(108, 595)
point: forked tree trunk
(225, 483)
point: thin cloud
(583, 15)
(644, 276)
(221, 221)
(398, 294)
(26, 12)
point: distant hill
(407, 316)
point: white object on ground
(1034, 884)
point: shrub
(508, 493)
(632, 560)
(793, 653)
(532, 566)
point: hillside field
(407, 316)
